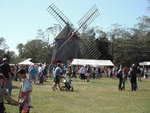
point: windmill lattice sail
(67, 43)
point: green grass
(97, 96)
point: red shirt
(12, 70)
(125, 69)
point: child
(4, 94)
(25, 91)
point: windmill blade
(91, 51)
(69, 45)
(89, 17)
(58, 15)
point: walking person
(120, 73)
(33, 73)
(57, 77)
(5, 69)
(133, 78)
(25, 92)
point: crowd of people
(37, 74)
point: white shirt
(82, 70)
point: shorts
(82, 76)
(88, 74)
(33, 77)
(8, 84)
(53, 78)
(57, 79)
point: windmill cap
(2, 77)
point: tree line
(121, 44)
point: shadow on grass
(15, 87)
(71, 91)
(141, 90)
(10, 103)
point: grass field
(97, 96)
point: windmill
(67, 43)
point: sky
(20, 19)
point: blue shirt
(88, 69)
(57, 71)
(33, 71)
(120, 72)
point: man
(5, 69)
(33, 73)
(133, 78)
(57, 77)
(88, 73)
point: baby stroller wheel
(63, 88)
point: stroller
(67, 82)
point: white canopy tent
(26, 62)
(144, 63)
(92, 62)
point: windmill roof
(65, 33)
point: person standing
(120, 72)
(93, 72)
(45, 73)
(57, 77)
(70, 71)
(133, 78)
(12, 71)
(82, 71)
(88, 73)
(139, 74)
(5, 69)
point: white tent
(92, 62)
(144, 63)
(26, 62)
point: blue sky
(20, 19)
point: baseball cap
(133, 65)
(2, 77)
(4, 59)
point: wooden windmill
(67, 43)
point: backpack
(118, 75)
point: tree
(37, 50)
(20, 48)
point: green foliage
(102, 45)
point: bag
(118, 75)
